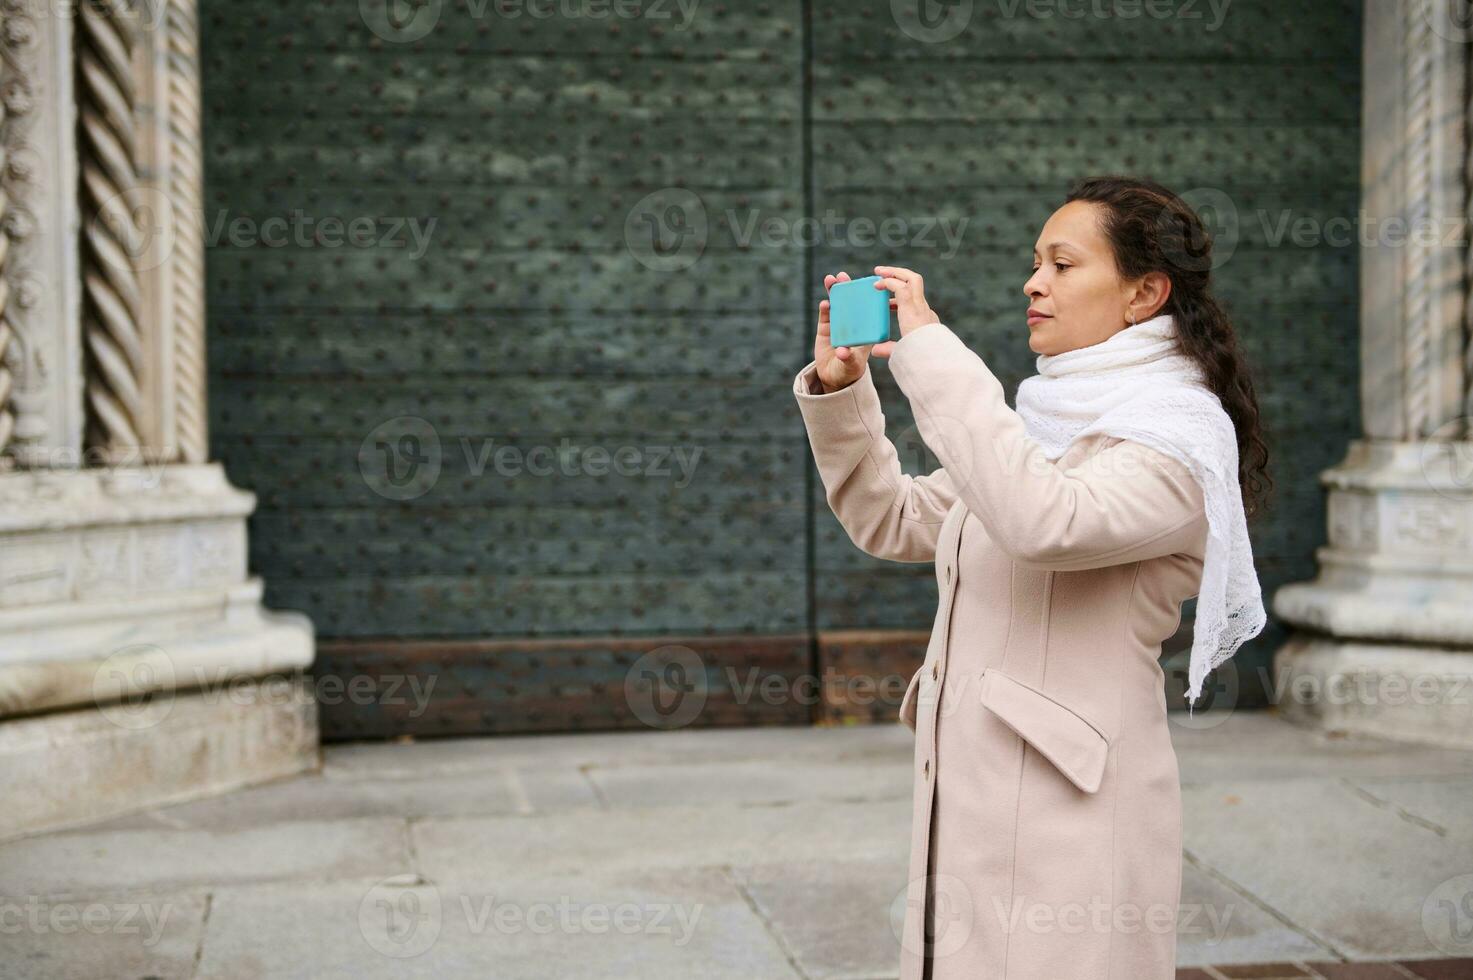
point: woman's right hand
(837, 367)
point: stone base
(1405, 693)
(1399, 563)
(77, 767)
(114, 582)
(137, 663)
(166, 644)
(1387, 641)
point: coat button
(934, 675)
(948, 574)
(927, 768)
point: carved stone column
(137, 664)
(1387, 646)
(40, 343)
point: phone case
(858, 313)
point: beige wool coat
(1046, 833)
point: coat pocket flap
(1076, 746)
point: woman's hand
(909, 301)
(839, 367)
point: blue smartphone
(858, 313)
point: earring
(1131, 317)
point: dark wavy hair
(1151, 229)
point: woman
(1046, 837)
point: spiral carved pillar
(112, 303)
(7, 334)
(186, 178)
(142, 246)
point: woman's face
(1076, 286)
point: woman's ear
(1151, 293)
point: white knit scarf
(1137, 385)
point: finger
(897, 286)
(883, 348)
(896, 272)
(823, 342)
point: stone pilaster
(137, 663)
(42, 352)
(1387, 641)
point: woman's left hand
(910, 305)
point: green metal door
(505, 302)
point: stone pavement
(742, 853)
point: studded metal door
(505, 300)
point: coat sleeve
(887, 513)
(1125, 503)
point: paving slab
(667, 837)
(1219, 924)
(1262, 745)
(1441, 803)
(838, 920)
(662, 923)
(1354, 876)
(749, 783)
(882, 743)
(82, 864)
(124, 935)
(498, 790)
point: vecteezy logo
(666, 688)
(959, 442)
(1217, 700)
(400, 916)
(950, 921)
(931, 21)
(400, 459)
(1447, 916)
(1446, 459)
(667, 230)
(1211, 246)
(1449, 19)
(134, 687)
(915, 456)
(141, 222)
(400, 21)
